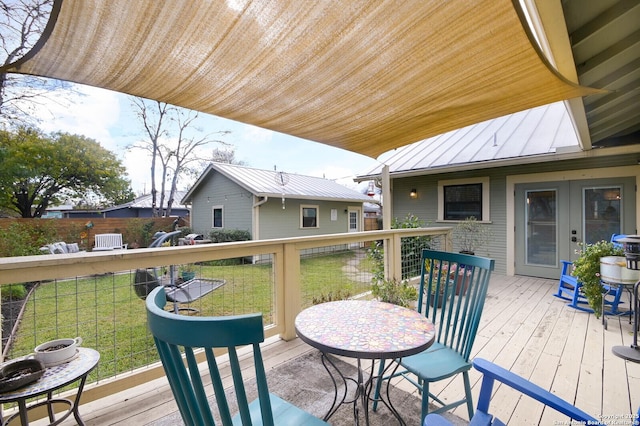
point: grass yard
(105, 311)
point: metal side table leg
(631, 353)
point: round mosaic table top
(55, 377)
(365, 329)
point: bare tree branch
(172, 147)
(22, 22)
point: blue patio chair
(452, 292)
(492, 372)
(175, 333)
(569, 288)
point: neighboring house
(141, 207)
(372, 210)
(525, 177)
(67, 211)
(272, 204)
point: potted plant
(392, 291)
(470, 235)
(440, 296)
(187, 271)
(587, 270)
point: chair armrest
(492, 372)
(566, 264)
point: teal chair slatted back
(452, 291)
(453, 288)
(173, 332)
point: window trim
(484, 181)
(309, 206)
(213, 217)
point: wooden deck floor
(524, 329)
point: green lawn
(107, 314)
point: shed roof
(540, 131)
(268, 183)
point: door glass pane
(541, 230)
(353, 221)
(601, 213)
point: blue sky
(107, 117)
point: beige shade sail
(366, 76)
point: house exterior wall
(235, 201)
(501, 246)
(269, 220)
(142, 212)
(276, 222)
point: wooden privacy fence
(136, 232)
(371, 224)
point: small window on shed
(216, 213)
(309, 216)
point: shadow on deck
(524, 329)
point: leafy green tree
(39, 170)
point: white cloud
(89, 112)
(109, 118)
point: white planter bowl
(50, 357)
(613, 269)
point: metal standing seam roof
(264, 183)
(538, 131)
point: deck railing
(92, 295)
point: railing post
(396, 257)
(393, 264)
(288, 290)
(448, 240)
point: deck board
(524, 328)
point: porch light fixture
(413, 194)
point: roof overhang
(360, 75)
(561, 155)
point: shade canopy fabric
(366, 76)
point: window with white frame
(462, 198)
(216, 217)
(309, 216)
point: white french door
(552, 218)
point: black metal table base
(363, 390)
(631, 353)
(73, 405)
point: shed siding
(276, 222)
(236, 204)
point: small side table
(364, 330)
(54, 378)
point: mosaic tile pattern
(365, 329)
(57, 376)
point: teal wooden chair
(452, 292)
(492, 373)
(174, 333)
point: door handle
(574, 239)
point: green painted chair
(452, 292)
(176, 333)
